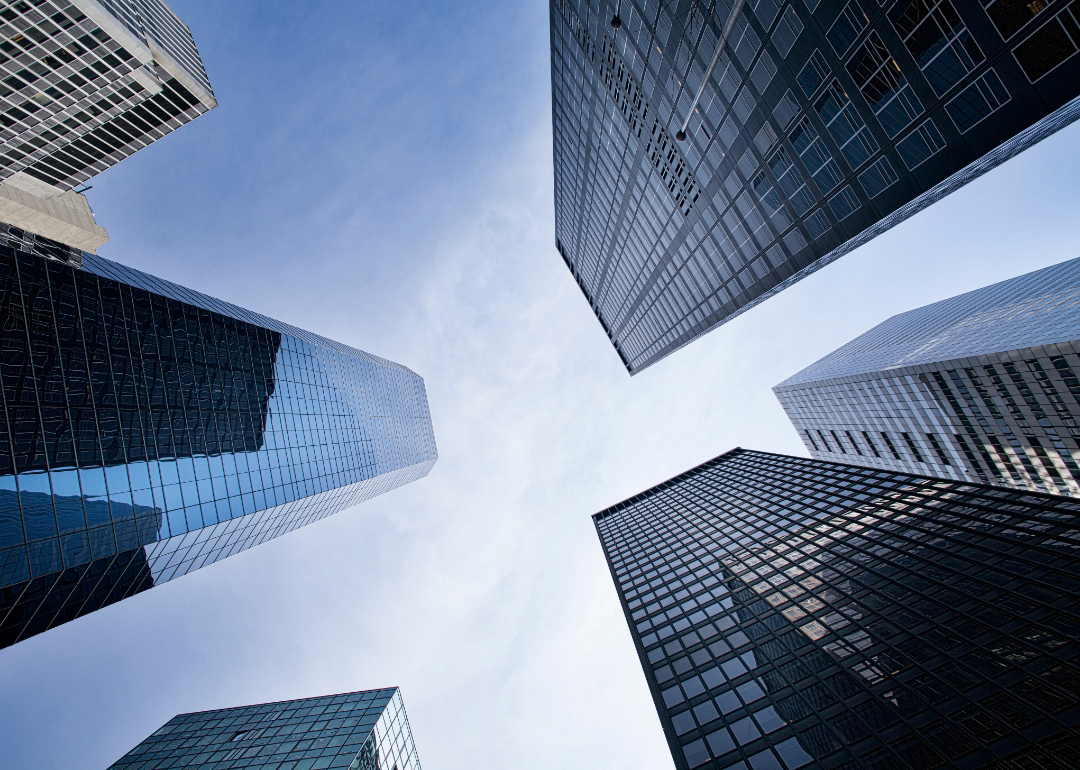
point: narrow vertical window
(1044, 459)
(870, 443)
(938, 450)
(824, 441)
(911, 445)
(855, 445)
(839, 443)
(889, 443)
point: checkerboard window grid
(147, 428)
(92, 69)
(71, 106)
(655, 289)
(757, 486)
(358, 731)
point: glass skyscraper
(86, 83)
(358, 731)
(980, 387)
(793, 613)
(824, 123)
(148, 430)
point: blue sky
(381, 174)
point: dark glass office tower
(358, 730)
(793, 613)
(148, 430)
(979, 387)
(824, 123)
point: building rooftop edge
(894, 371)
(657, 487)
(289, 700)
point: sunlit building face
(980, 387)
(149, 430)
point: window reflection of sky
(235, 428)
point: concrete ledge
(33, 205)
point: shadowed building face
(823, 124)
(149, 430)
(793, 613)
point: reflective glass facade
(148, 430)
(793, 613)
(84, 84)
(359, 731)
(980, 387)
(824, 123)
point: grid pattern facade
(980, 387)
(359, 731)
(823, 124)
(23, 240)
(793, 613)
(82, 88)
(149, 430)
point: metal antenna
(729, 27)
(616, 20)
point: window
(791, 182)
(920, 144)
(763, 72)
(786, 109)
(847, 27)
(938, 449)
(889, 443)
(870, 443)
(765, 10)
(911, 445)
(883, 85)
(846, 125)
(744, 105)
(844, 203)
(765, 139)
(876, 179)
(816, 156)
(771, 201)
(795, 241)
(817, 224)
(744, 41)
(937, 39)
(813, 74)
(824, 441)
(1010, 15)
(787, 31)
(852, 440)
(1050, 46)
(977, 101)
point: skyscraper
(83, 85)
(980, 387)
(86, 83)
(823, 124)
(793, 613)
(357, 730)
(148, 430)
